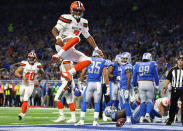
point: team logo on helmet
(109, 110)
(127, 56)
(147, 56)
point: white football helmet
(95, 53)
(118, 58)
(147, 56)
(126, 55)
(109, 110)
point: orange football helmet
(32, 57)
(75, 7)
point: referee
(175, 77)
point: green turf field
(9, 116)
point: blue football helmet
(109, 110)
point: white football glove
(157, 87)
(126, 94)
(108, 91)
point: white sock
(61, 111)
(96, 115)
(73, 115)
(128, 119)
(147, 114)
(72, 71)
(60, 52)
(82, 115)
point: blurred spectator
(8, 89)
(36, 96)
(1, 94)
(17, 99)
(47, 93)
(55, 89)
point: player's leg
(150, 96)
(87, 95)
(97, 96)
(142, 94)
(70, 43)
(69, 100)
(113, 95)
(27, 92)
(76, 56)
(60, 93)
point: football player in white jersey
(161, 106)
(66, 90)
(67, 32)
(27, 72)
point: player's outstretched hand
(100, 53)
(59, 42)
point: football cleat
(72, 120)
(60, 119)
(95, 123)
(20, 116)
(141, 120)
(55, 58)
(80, 123)
(127, 123)
(147, 119)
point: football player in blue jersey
(113, 73)
(125, 84)
(95, 72)
(146, 73)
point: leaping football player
(67, 32)
(27, 72)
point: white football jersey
(68, 27)
(29, 72)
(163, 100)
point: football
(120, 122)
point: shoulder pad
(23, 63)
(66, 18)
(85, 22)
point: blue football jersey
(123, 81)
(95, 69)
(115, 72)
(145, 71)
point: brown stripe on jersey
(85, 24)
(65, 20)
(39, 66)
(21, 64)
(66, 62)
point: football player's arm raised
(94, 45)
(18, 72)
